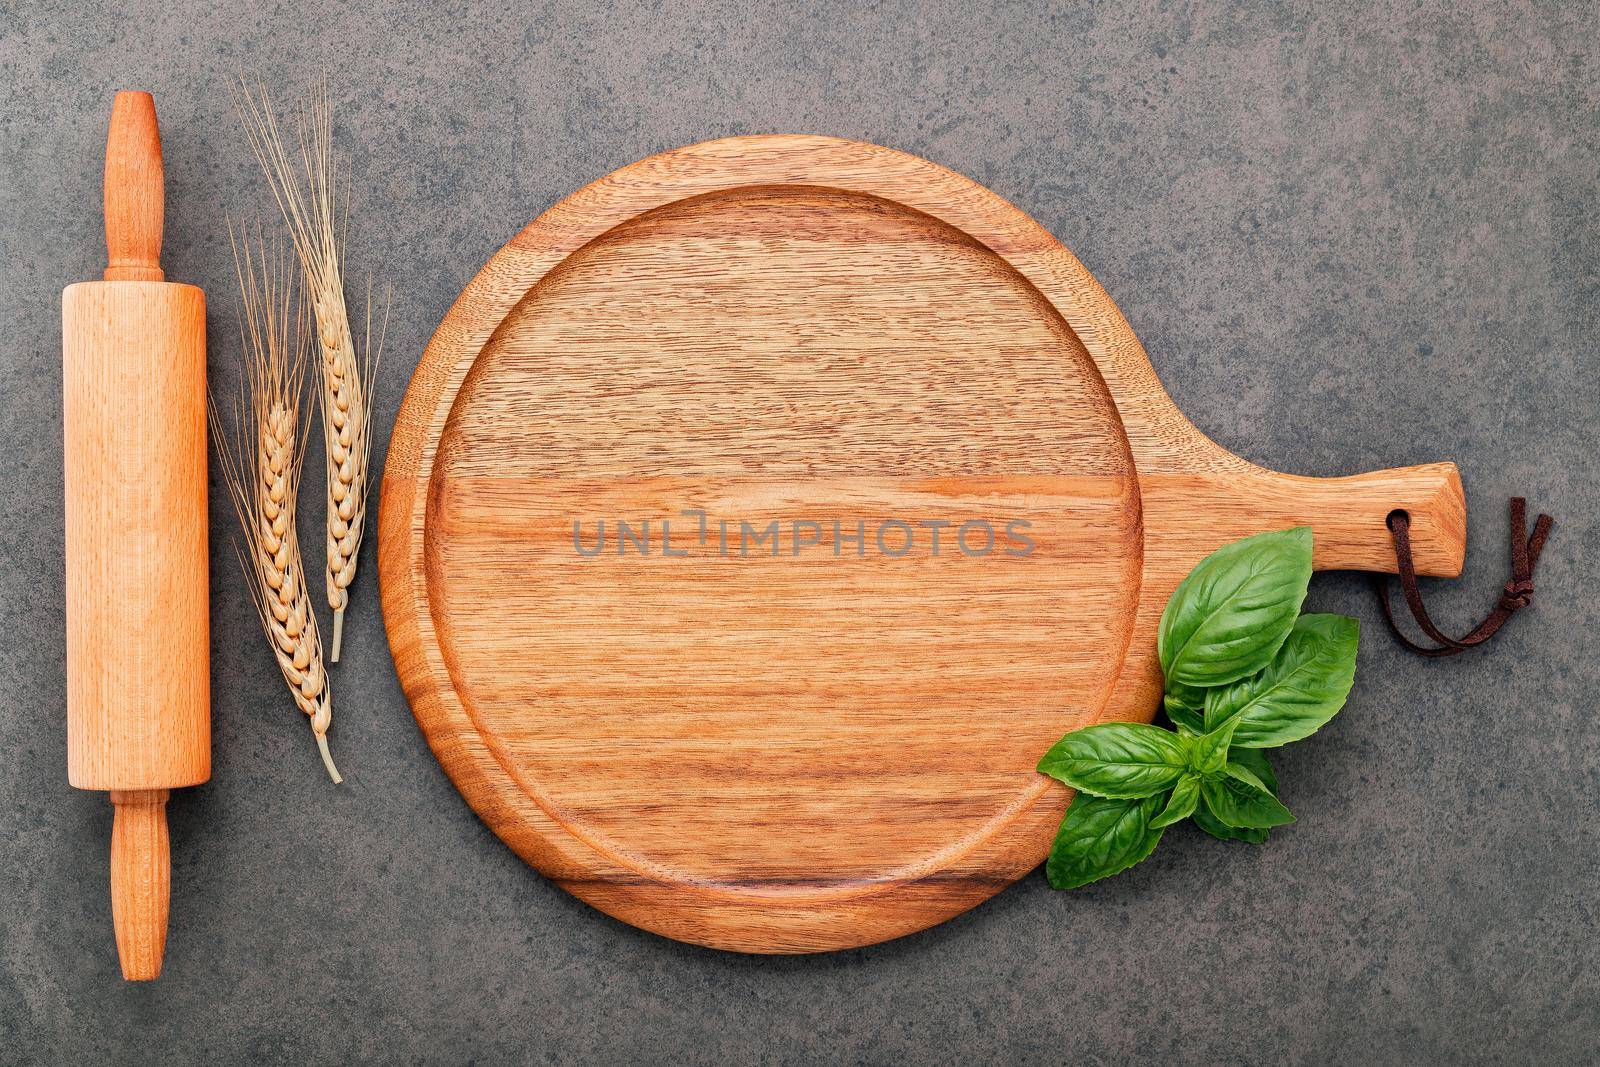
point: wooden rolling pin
(138, 622)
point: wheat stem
(327, 758)
(338, 632)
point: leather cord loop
(1517, 594)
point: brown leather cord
(1517, 594)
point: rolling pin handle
(141, 879)
(134, 196)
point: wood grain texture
(138, 624)
(819, 747)
(135, 191)
(141, 880)
(137, 581)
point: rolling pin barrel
(138, 630)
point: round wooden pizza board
(658, 539)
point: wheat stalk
(261, 467)
(307, 197)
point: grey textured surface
(1350, 235)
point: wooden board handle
(1350, 516)
(141, 879)
(134, 198)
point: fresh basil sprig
(1244, 672)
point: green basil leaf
(1181, 802)
(1185, 706)
(1241, 805)
(1100, 837)
(1209, 753)
(1122, 760)
(1245, 775)
(1255, 761)
(1303, 687)
(1223, 832)
(1228, 617)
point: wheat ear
(261, 467)
(307, 196)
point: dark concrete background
(1350, 236)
